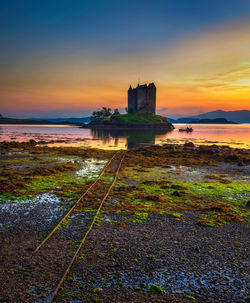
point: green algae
(68, 293)
(102, 254)
(156, 289)
(152, 192)
(64, 185)
(176, 215)
(28, 170)
(56, 182)
(119, 283)
(151, 257)
(189, 297)
(236, 191)
(10, 198)
(98, 221)
(65, 222)
(139, 217)
(41, 183)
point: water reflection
(134, 138)
(234, 135)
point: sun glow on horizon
(199, 73)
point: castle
(142, 99)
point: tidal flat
(173, 229)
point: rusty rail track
(89, 228)
(75, 204)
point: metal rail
(87, 233)
(74, 206)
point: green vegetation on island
(139, 118)
(107, 117)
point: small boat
(187, 129)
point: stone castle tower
(142, 99)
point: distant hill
(5, 120)
(70, 120)
(171, 120)
(240, 116)
(214, 121)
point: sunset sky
(65, 58)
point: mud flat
(174, 229)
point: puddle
(40, 298)
(67, 159)
(91, 168)
(188, 174)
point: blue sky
(43, 25)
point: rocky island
(133, 121)
(140, 112)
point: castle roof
(142, 86)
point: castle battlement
(142, 99)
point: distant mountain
(171, 120)
(70, 120)
(5, 120)
(240, 116)
(214, 121)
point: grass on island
(139, 118)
